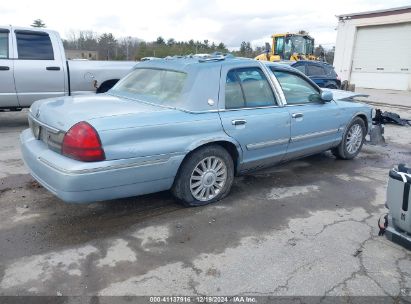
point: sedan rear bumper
(81, 182)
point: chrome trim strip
(51, 129)
(135, 164)
(314, 135)
(267, 144)
(310, 103)
(252, 108)
(58, 94)
(275, 85)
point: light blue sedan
(189, 125)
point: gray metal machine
(398, 228)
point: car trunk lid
(50, 119)
(60, 114)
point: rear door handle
(4, 68)
(53, 68)
(297, 115)
(238, 122)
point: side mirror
(326, 96)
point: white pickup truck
(33, 66)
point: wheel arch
(364, 118)
(360, 115)
(232, 147)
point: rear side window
(248, 88)
(34, 45)
(4, 45)
(315, 70)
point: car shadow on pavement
(11, 120)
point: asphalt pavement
(308, 227)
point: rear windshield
(154, 85)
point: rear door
(251, 113)
(38, 68)
(8, 97)
(315, 125)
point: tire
(352, 141)
(201, 170)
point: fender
(356, 114)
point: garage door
(382, 57)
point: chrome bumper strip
(161, 159)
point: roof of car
(191, 61)
(204, 76)
(184, 63)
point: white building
(373, 49)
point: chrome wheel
(208, 178)
(354, 138)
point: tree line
(130, 48)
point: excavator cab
(289, 47)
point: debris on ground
(390, 118)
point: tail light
(82, 142)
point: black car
(322, 73)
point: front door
(315, 125)
(8, 97)
(252, 116)
(38, 70)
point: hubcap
(354, 139)
(208, 178)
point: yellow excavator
(289, 46)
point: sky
(229, 21)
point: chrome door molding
(266, 144)
(314, 135)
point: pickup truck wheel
(353, 140)
(204, 177)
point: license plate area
(52, 139)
